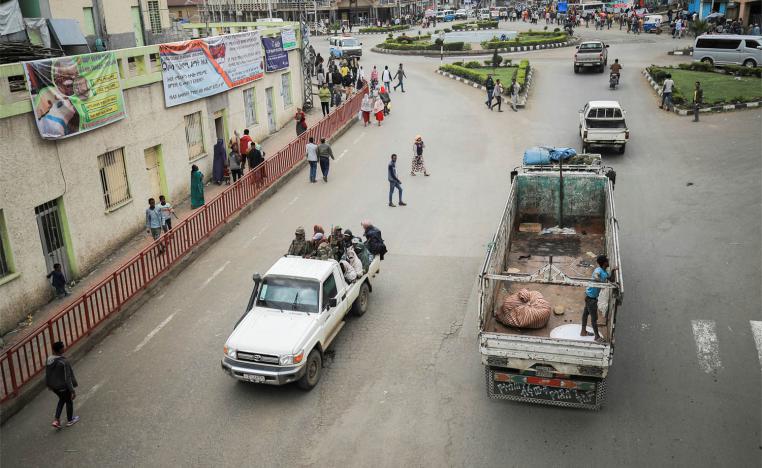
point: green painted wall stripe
(70, 254)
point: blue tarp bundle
(547, 155)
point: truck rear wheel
(621, 148)
(314, 369)
(360, 306)
(576, 68)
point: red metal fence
(23, 361)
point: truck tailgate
(497, 349)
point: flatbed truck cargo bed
(552, 364)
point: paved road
(403, 385)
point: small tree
(699, 27)
(496, 59)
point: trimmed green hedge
(374, 29)
(525, 39)
(719, 88)
(475, 25)
(470, 71)
(451, 46)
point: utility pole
(304, 53)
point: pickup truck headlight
(290, 359)
(229, 351)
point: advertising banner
(71, 95)
(275, 57)
(204, 67)
(288, 35)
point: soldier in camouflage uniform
(324, 251)
(299, 246)
(337, 243)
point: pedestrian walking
(490, 85)
(666, 92)
(394, 181)
(360, 77)
(373, 239)
(220, 162)
(378, 109)
(58, 281)
(600, 275)
(312, 158)
(234, 162)
(497, 93)
(515, 89)
(325, 99)
(60, 379)
(197, 187)
(386, 77)
(325, 154)
(400, 76)
(417, 164)
(366, 107)
(154, 222)
(244, 145)
(301, 121)
(698, 99)
(374, 77)
(383, 94)
(166, 211)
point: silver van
(725, 49)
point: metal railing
(23, 361)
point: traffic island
(383, 29)
(474, 75)
(424, 46)
(730, 89)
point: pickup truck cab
(461, 14)
(591, 54)
(294, 313)
(344, 46)
(602, 123)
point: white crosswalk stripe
(707, 345)
(756, 329)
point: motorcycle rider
(615, 70)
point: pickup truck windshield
(288, 294)
(590, 46)
(350, 42)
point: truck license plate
(255, 378)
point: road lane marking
(756, 329)
(214, 275)
(256, 236)
(81, 400)
(356, 140)
(707, 345)
(289, 204)
(153, 333)
(341, 155)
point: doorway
(52, 236)
(269, 97)
(155, 172)
(220, 126)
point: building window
(154, 16)
(89, 26)
(113, 173)
(285, 83)
(194, 135)
(250, 106)
(6, 261)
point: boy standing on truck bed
(600, 275)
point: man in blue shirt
(154, 221)
(600, 275)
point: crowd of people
(354, 255)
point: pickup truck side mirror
(607, 46)
(576, 47)
(332, 302)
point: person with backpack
(60, 379)
(490, 85)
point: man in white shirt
(312, 158)
(386, 77)
(666, 92)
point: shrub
(459, 64)
(556, 30)
(740, 70)
(697, 66)
(463, 72)
(545, 28)
(446, 30)
(437, 31)
(472, 64)
(496, 59)
(439, 41)
(372, 29)
(658, 74)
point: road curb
(703, 110)
(461, 53)
(522, 98)
(29, 391)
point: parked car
(652, 23)
(602, 123)
(591, 54)
(728, 49)
(344, 46)
(461, 14)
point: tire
(360, 306)
(313, 372)
(602, 69)
(621, 148)
(585, 148)
(707, 60)
(576, 69)
(749, 63)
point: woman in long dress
(197, 187)
(418, 165)
(378, 110)
(366, 107)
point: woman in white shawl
(366, 107)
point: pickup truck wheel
(576, 69)
(314, 369)
(621, 148)
(360, 305)
(585, 148)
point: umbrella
(714, 15)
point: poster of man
(71, 95)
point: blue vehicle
(449, 15)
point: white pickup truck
(294, 313)
(602, 123)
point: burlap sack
(525, 309)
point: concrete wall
(34, 171)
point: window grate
(154, 16)
(250, 106)
(113, 175)
(285, 83)
(194, 135)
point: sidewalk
(129, 249)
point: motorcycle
(613, 80)
(569, 29)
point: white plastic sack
(359, 116)
(11, 20)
